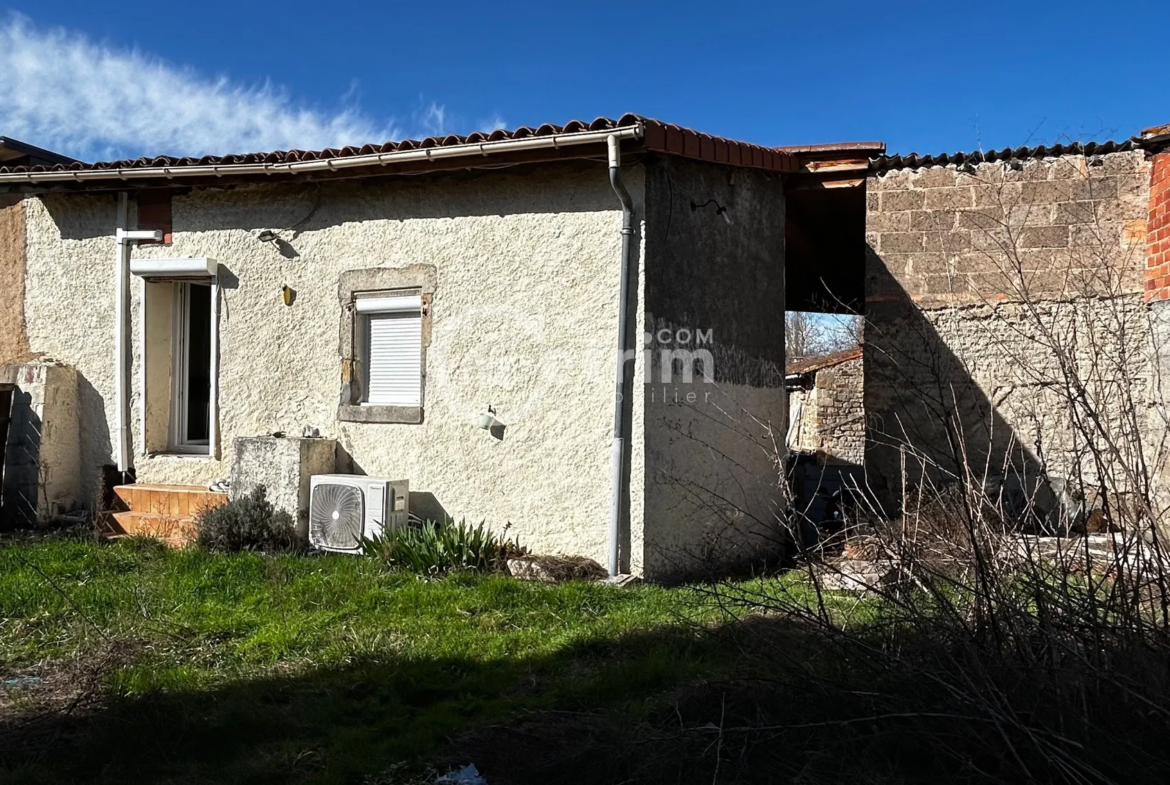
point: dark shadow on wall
(96, 445)
(715, 258)
(21, 463)
(928, 421)
(423, 505)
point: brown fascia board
(840, 164)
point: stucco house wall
(523, 319)
(989, 288)
(525, 265)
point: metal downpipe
(619, 491)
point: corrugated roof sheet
(658, 136)
(916, 161)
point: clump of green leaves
(435, 548)
(247, 523)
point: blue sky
(108, 79)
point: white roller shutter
(394, 358)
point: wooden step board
(163, 511)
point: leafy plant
(435, 548)
(248, 523)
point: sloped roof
(916, 161)
(654, 136)
(810, 364)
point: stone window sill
(182, 456)
(409, 415)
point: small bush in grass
(435, 548)
(249, 523)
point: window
(392, 349)
(385, 331)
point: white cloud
(65, 92)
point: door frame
(180, 371)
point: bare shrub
(1004, 614)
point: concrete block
(283, 466)
(41, 460)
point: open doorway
(191, 392)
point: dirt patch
(38, 702)
(555, 569)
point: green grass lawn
(251, 668)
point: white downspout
(619, 505)
(123, 242)
(121, 345)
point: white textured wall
(527, 280)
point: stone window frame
(351, 283)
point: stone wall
(841, 412)
(1003, 304)
(831, 414)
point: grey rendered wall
(712, 445)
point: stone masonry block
(284, 466)
(931, 220)
(903, 200)
(901, 242)
(888, 222)
(950, 198)
(935, 177)
(1044, 237)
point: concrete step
(177, 501)
(149, 524)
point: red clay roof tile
(657, 137)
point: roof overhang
(14, 152)
(838, 165)
(544, 144)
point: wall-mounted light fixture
(488, 421)
(719, 209)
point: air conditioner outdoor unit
(345, 508)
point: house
(448, 311)
(387, 298)
(826, 427)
